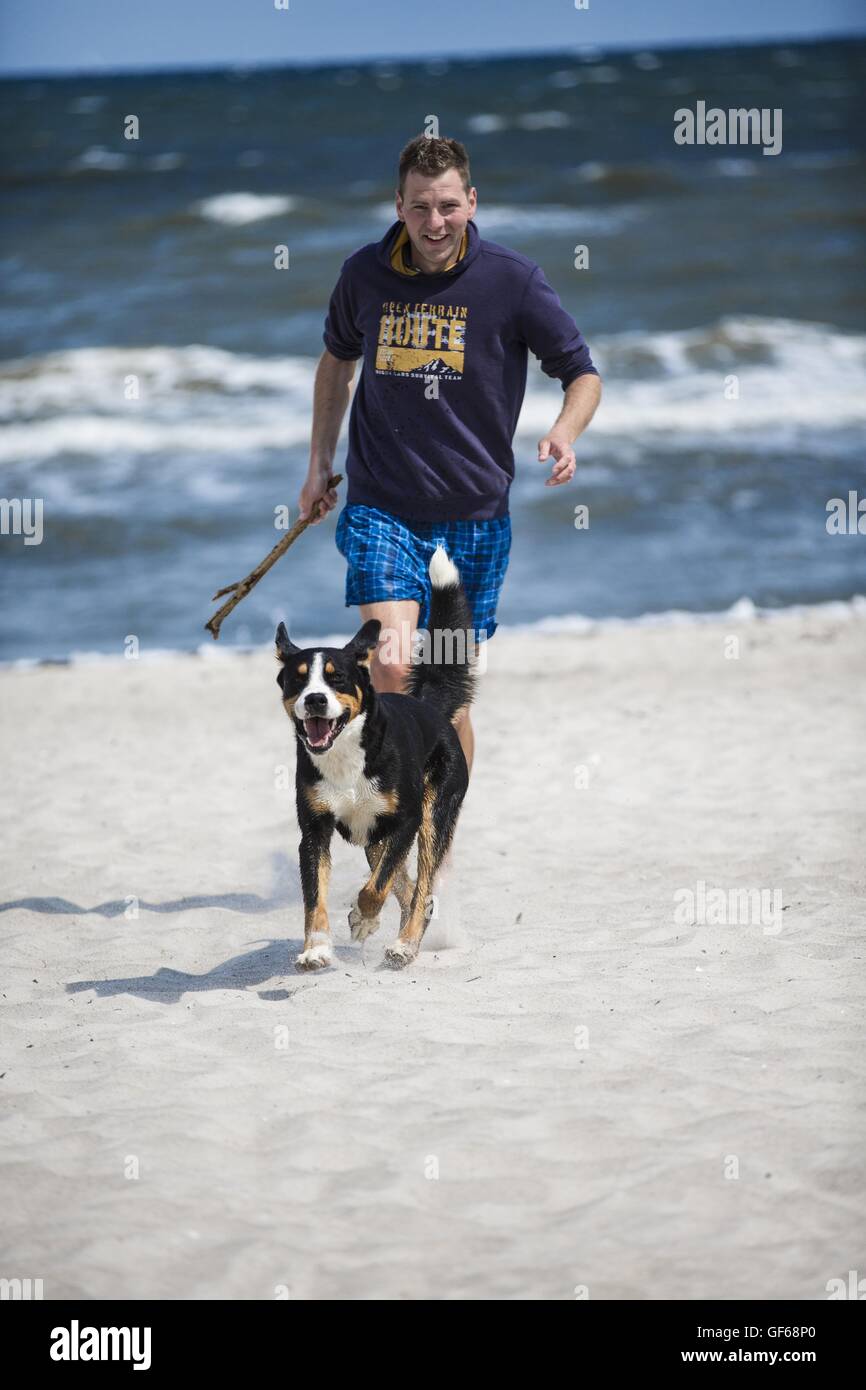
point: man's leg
(391, 662)
(466, 735)
(391, 674)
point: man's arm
(331, 395)
(581, 400)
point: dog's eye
(289, 680)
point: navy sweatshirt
(444, 373)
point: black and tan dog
(381, 768)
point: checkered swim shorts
(388, 559)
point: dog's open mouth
(321, 733)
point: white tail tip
(443, 572)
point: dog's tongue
(317, 729)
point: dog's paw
(361, 927)
(316, 958)
(400, 954)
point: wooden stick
(243, 586)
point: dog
(383, 768)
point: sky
(45, 36)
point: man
(443, 320)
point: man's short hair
(430, 156)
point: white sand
(159, 1039)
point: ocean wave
(492, 122)
(96, 435)
(736, 168)
(98, 158)
(743, 611)
(496, 218)
(668, 387)
(647, 62)
(675, 386)
(744, 340)
(165, 162)
(190, 400)
(486, 122)
(237, 209)
(568, 624)
(94, 378)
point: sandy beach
(588, 1093)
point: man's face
(435, 211)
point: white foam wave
(98, 377)
(736, 381)
(162, 163)
(98, 157)
(743, 611)
(671, 388)
(237, 209)
(647, 62)
(736, 168)
(194, 399)
(569, 624)
(96, 435)
(495, 218)
(486, 122)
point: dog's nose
(316, 700)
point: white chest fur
(344, 790)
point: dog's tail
(444, 671)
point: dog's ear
(285, 645)
(363, 644)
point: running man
(443, 321)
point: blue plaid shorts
(388, 559)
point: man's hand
(558, 447)
(581, 399)
(314, 488)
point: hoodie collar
(393, 251)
